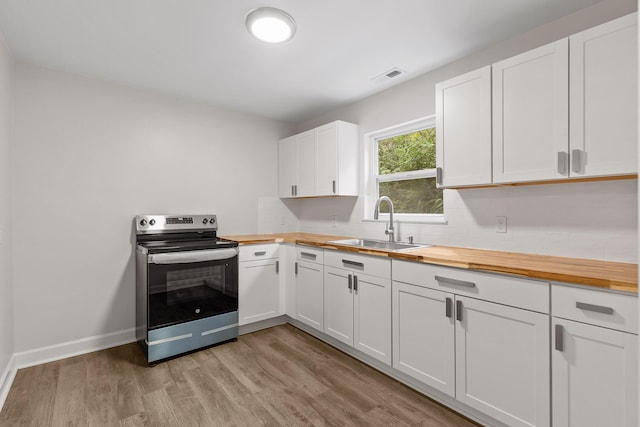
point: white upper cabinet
(296, 173)
(531, 115)
(337, 159)
(287, 166)
(319, 162)
(564, 110)
(603, 91)
(463, 129)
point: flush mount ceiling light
(270, 25)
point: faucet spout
(389, 231)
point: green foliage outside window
(404, 153)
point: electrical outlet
(501, 224)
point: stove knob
(204, 221)
(143, 222)
(212, 220)
(152, 222)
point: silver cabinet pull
(455, 282)
(439, 176)
(563, 162)
(448, 307)
(292, 192)
(295, 190)
(592, 307)
(355, 283)
(277, 267)
(308, 255)
(576, 160)
(296, 268)
(334, 186)
(353, 263)
(350, 282)
(261, 253)
(459, 311)
(559, 344)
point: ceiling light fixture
(270, 25)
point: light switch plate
(501, 224)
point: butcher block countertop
(603, 274)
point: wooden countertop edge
(320, 241)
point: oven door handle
(193, 256)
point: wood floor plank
(69, 408)
(274, 377)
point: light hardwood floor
(278, 376)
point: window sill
(411, 219)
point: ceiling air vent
(388, 75)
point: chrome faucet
(389, 231)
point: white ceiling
(200, 49)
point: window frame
(372, 178)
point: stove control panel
(147, 224)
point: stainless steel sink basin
(378, 244)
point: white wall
(6, 293)
(89, 156)
(590, 220)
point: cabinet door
(594, 376)
(604, 112)
(258, 290)
(310, 294)
(338, 304)
(463, 129)
(372, 316)
(287, 166)
(502, 362)
(306, 155)
(423, 336)
(531, 115)
(327, 159)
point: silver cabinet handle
(334, 186)
(592, 307)
(559, 344)
(350, 284)
(261, 253)
(292, 192)
(455, 282)
(563, 162)
(459, 311)
(295, 190)
(277, 267)
(353, 263)
(355, 283)
(308, 255)
(439, 176)
(296, 268)
(576, 160)
(448, 307)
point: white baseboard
(6, 379)
(38, 356)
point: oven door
(185, 286)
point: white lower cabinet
(594, 358)
(502, 361)
(309, 287)
(258, 283)
(424, 336)
(490, 356)
(357, 305)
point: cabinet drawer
(309, 253)
(257, 252)
(371, 265)
(606, 309)
(513, 291)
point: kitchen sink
(379, 244)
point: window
(403, 167)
